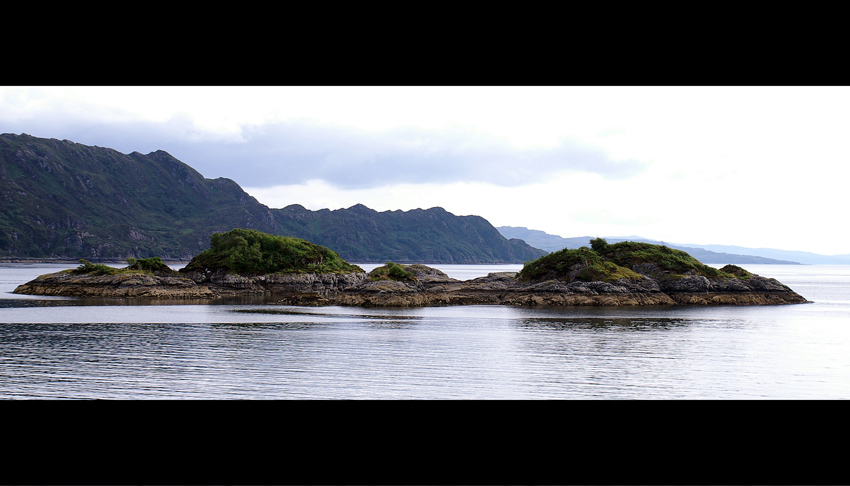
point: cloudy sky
(755, 166)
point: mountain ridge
(62, 199)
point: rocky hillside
(62, 199)
(361, 234)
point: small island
(292, 271)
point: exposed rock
(430, 287)
(122, 285)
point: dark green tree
(598, 244)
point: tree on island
(598, 244)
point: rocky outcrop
(427, 287)
(123, 285)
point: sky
(753, 166)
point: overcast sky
(749, 166)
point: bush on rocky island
(144, 265)
(251, 252)
(632, 254)
(151, 265)
(598, 244)
(581, 264)
(626, 259)
(94, 268)
(391, 271)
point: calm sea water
(65, 348)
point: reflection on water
(302, 312)
(249, 349)
(619, 323)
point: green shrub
(598, 244)
(150, 265)
(95, 268)
(609, 262)
(391, 271)
(629, 253)
(251, 252)
(589, 264)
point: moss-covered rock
(580, 264)
(252, 252)
(657, 260)
(627, 259)
(392, 271)
(736, 271)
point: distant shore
(73, 261)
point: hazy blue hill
(804, 257)
(551, 243)
(543, 240)
(62, 199)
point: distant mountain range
(704, 253)
(62, 199)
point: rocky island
(285, 270)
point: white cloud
(756, 166)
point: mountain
(550, 243)
(360, 234)
(804, 257)
(62, 199)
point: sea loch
(67, 348)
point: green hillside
(420, 235)
(62, 199)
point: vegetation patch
(251, 252)
(630, 254)
(150, 265)
(609, 262)
(391, 271)
(88, 267)
(144, 265)
(736, 271)
(581, 264)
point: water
(66, 348)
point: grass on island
(581, 264)
(391, 271)
(676, 262)
(252, 252)
(143, 265)
(610, 262)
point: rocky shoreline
(427, 287)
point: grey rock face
(430, 287)
(686, 283)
